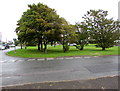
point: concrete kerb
(60, 58)
(51, 59)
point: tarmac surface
(19, 71)
(98, 83)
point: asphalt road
(4, 58)
(23, 70)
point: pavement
(19, 71)
(98, 83)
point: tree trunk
(103, 48)
(51, 43)
(21, 45)
(76, 47)
(25, 47)
(82, 47)
(64, 50)
(54, 44)
(45, 47)
(41, 46)
(38, 44)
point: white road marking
(19, 60)
(8, 77)
(86, 57)
(50, 58)
(69, 58)
(40, 59)
(59, 58)
(95, 56)
(30, 59)
(3, 61)
(12, 60)
(78, 57)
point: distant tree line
(41, 25)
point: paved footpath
(27, 71)
(99, 83)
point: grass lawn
(90, 50)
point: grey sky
(71, 10)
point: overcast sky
(71, 10)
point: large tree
(104, 31)
(67, 34)
(38, 23)
(82, 35)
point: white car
(12, 45)
(2, 47)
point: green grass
(90, 50)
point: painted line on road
(50, 58)
(4, 61)
(69, 58)
(87, 57)
(12, 60)
(59, 58)
(40, 59)
(8, 77)
(30, 59)
(78, 57)
(95, 56)
(20, 60)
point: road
(4, 58)
(23, 70)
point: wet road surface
(4, 58)
(24, 70)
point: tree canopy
(39, 23)
(103, 30)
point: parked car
(12, 45)
(7, 46)
(2, 47)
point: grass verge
(90, 50)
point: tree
(64, 35)
(25, 34)
(104, 31)
(67, 34)
(37, 24)
(82, 35)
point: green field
(90, 50)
